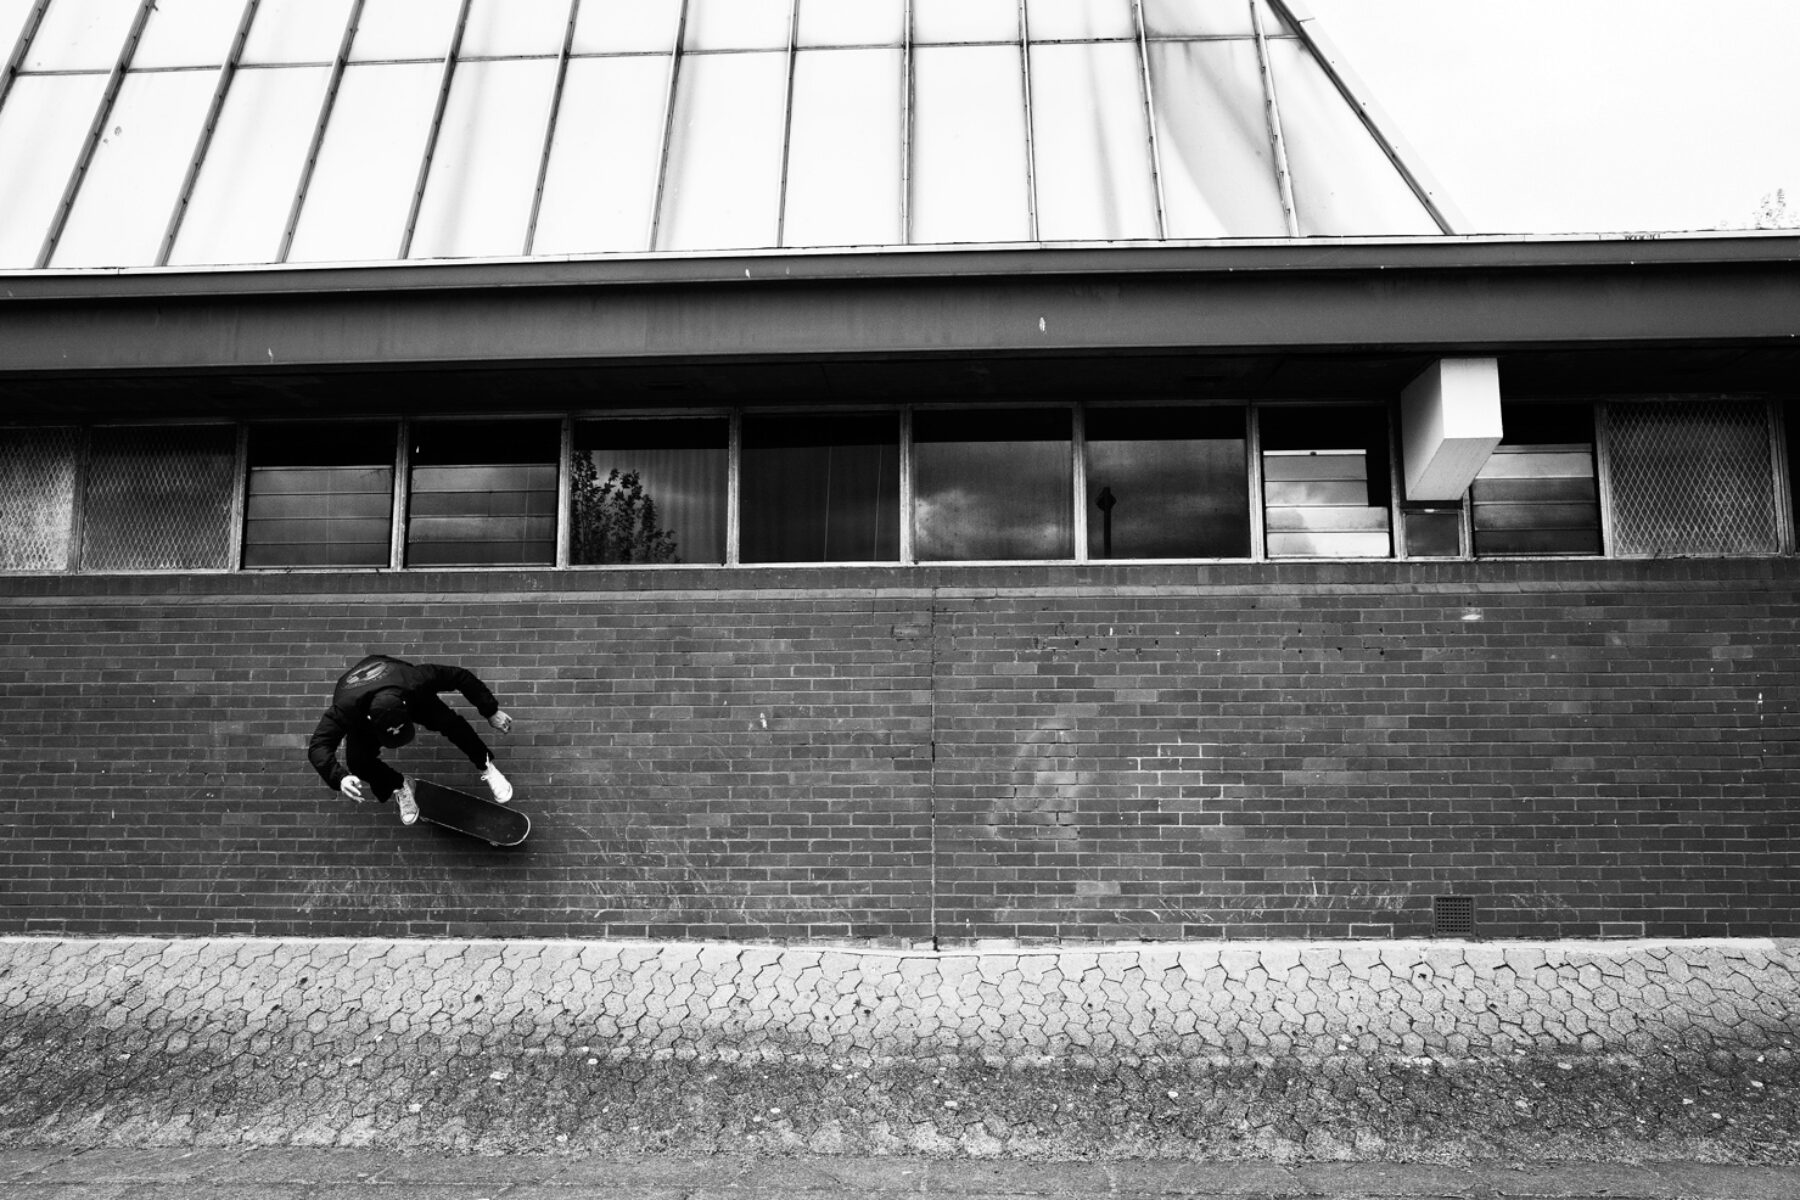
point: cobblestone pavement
(1275, 1053)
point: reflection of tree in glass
(615, 522)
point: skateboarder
(376, 703)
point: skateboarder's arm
(322, 750)
(441, 677)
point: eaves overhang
(1434, 295)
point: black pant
(362, 753)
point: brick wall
(892, 756)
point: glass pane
(821, 489)
(1538, 493)
(188, 33)
(159, 499)
(122, 210)
(81, 35)
(1344, 183)
(400, 29)
(319, 495)
(42, 126)
(852, 23)
(1691, 477)
(1080, 20)
(950, 21)
(649, 491)
(514, 27)
(37, 497)
(1167, 483)
(1204, 18)
(724, 172)
(968, 177)
(603, 160)
(484, 170)
(361, 190)
(626, 26)
(240, 205)
(12, 22)
(1432, 532)
(1212, 131)
(1326, 482)
(483, 493)
(296, 31)
(1092, 143)
(844, 153)
(737, 25)
(992, 485)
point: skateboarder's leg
(440, 717)
(363, 758)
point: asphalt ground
(327, 1174)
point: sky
(1564, 116)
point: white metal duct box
(1450, 423)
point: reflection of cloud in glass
(982, 499)
(1173, 499)
(962, 523)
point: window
(319, 496)
(38, 470)
(1326, 481)
(821, 489)
(1691, 477)
(160, 498)
(1167, 483)
(993, 484)
(649, 491)
(1537, 493)
(483, 493)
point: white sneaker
(497, 783)
(409, 804)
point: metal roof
(203, 133)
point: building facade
(1046, 521)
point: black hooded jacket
(348, 716)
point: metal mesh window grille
(37, 497)
(1691, 477)
(160, 499)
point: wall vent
(1453, 916)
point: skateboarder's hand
(353, 788)
(501, 721)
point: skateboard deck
(473, 815)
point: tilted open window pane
(483, 493)
(843, 169)
(722, 189)
(649, 491)
(992, 484)
(1691, 477)
(602, 178)
(1167, 483)
(1537, 493)
(319, 496)
(159, 498)
(122, 210)
(821, 488)
(361, 190)
(41, 127)
(1212, 127)
(37, 497)
(240, 204)
(1326, 482)
(968, 168)
(484, 171)
(1092, 142)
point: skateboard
(479, 818)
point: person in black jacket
(376, 704)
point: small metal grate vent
(37, 497)
(1453, 916)
(1692, 477)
